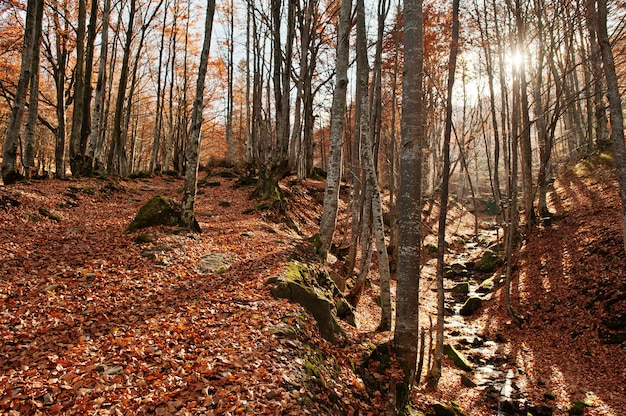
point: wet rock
(487, 263)
(467, 381)
(461, 288)
(487, 285)
(541, 410)
(457, 357)
(471, 305)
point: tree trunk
(118, 145)
(615, 106)
(193, 146)
(33, 107)
(337, 123)
(435, 371)
(10, 173)
(409, 200)
(94, 158)
(79, 91)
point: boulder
(457, 357)
(461, 288)
(487, 285)
(471, 305)
(300, 284)
(159, 210)
(214, 263)
(451, 409)
(487, 263)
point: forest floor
(93, 322)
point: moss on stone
(457, 357)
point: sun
(516, 59)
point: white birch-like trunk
(337, 123)
(193, 144)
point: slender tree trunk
(409, 200)
(337, 123)
(33, 107)
(193, 146)
(94, 152)
(158, 122)
(10, 173)
(435, 371)
(79, 91)
(615, 105)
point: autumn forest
(313, 207)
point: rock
(462, 288)
(457, 357)
(44, 212)
(214, 263)
(145, 238)
(300, 285)
(6, 202)
(159, 211)
(541, 410)
(451, 409)
(113, 370)
(487, 263)
(486, 286)
(471, 305)
(467, 382)
(577, 408)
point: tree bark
(615, 105)
(435, 371)
(10, 173)
(79, 91)
(337, 123)
(409, 200)
(33, 107)
(193, 146)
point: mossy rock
(299, 284)
(159, 210)
(577, 408)
(487, 285)
(461, 288)
(50, 215)
(488, 262)
(457, 357)
(452, 409)
(471, 305)
(145, 238)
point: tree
(435, 371)
(94, 158)
(337, 123)
(33, 106)
(615, 104)
(79, 91)
(118, 146)
(34, 18)
(193, 146)
(409, 199)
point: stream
(494, 372)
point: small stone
(113, 370)
(467, 382)
(471, 305)
(462, 288)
